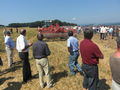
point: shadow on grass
(103, 85)
(2, 80)
(13, 86)
(11, 69)
(57, 76)
(35, 76)
(51, 68)
(54, 40)
(18, 62)
(1, 50)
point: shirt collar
(22, 35)
(7, 36)
(87, 40)
(70, 36)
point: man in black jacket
(40, 53)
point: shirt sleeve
(33, 48)
(12, 44)
(97, 52)
(68, 43)
(47, 50)
(7, 41)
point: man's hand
(30, 44)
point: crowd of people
(107, 32)
(87, 49)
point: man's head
(23, 32)
(88, 33)
(70, 33)
(40, 36)
(8, 33)
(118, 42)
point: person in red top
(90, 54)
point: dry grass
(10, 79)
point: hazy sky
(77, 11)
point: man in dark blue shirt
(40, 53)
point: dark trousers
(26, 66)
(91, 78)
(102, 36)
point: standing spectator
(110, 32)
(73, 49)
(11, 30)
(90, 54)
(41, 53)
(4, 32)
(115, 65)
(9, 46)
(117, 31)
(22, 46)
(106, 32)
(16, 30)
(103, 32)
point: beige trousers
(43, 67)
(9, 56)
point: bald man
(40, 53)
(23, 47)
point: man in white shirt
(22, 46)
(103, 32)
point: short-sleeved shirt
(103, 30)
(72, 42)
(115, 65)
(111, 30)
(9, 42)
(21, 42)
(90, 52)
(40, 50)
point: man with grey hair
(40, 53)
(115, 65)
(22, 46)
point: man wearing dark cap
(10, 45)
(90, 54)
(41, 53)
(23, 46)
(115, 66)
(73, 49)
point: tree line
(1, 25)
(43, 23)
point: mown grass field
(11, 78)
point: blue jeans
(74, 63)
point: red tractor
(55, 31)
